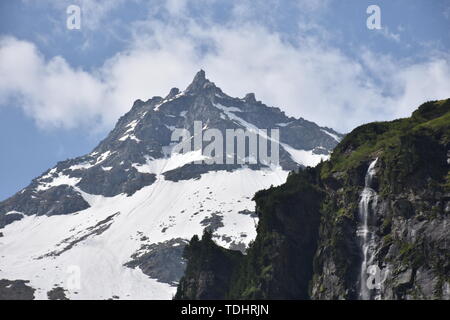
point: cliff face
(370, 223)
(208, 274)
(409, 213)
(289, 220)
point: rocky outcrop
(208, 275)
(15, 290)
(61, 199)
(57, 293)
(162, 261)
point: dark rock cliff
(209, 272)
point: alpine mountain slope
(112, 224)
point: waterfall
(367, 205)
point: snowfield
(85, 252)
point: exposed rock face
(57, 293)
(272, 271)
(210, 269)
(68, 243)
(15, 290)
(61, 199)
(161, 261)
(310, 223)
(409, 222)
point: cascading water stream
(366, 207)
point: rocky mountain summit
(116, 165)
(130, 206)
(370, 223)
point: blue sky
(62, 90)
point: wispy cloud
(388, 34)
(446, 13)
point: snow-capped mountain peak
(128, 207)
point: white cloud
(446, 13)
(304, 77)
(51, 91)
(425, 81)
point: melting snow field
(96, 242)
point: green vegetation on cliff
(407, 145)
(289, 218)
(306, 245)
(208, 273)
